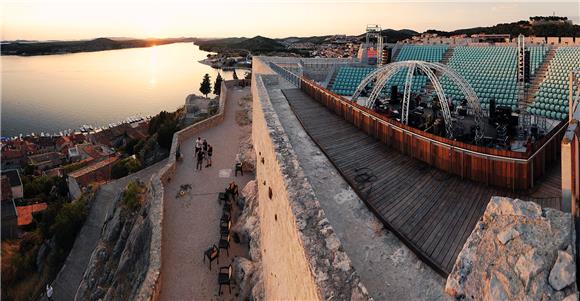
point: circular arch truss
(381, 76)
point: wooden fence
(502, 168)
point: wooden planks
(433, 212)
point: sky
(86, 19)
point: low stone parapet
(151, 286)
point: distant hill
(214, 44)
(312, 39)
(264, 45)
(58, 47)
(260, 44)
(255, 45)
(393, 36)
(527, 28)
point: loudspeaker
(387, 53)
(527, 66)
(492, 108)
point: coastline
(207, 62)
(67, 47)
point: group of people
(203, 151)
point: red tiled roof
(8, 154)
(25, 212)
(93, 167)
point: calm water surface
(56, 92)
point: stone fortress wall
(302, 258)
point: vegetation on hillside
(217, 85)
(35, 259)
(133, 195)
(163, 126)
(125, 167)
(553, 29)
(393, 36)
(205, 86)
(255, 45)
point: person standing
(204, 145)
(209, 153)
(238, 166)
(49, 292)
(200, 155)
(198, 144)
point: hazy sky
(81, 19)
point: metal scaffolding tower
(374, 37)
(525, 118)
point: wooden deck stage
(431, 211)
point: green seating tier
(551, 99)
(490, 70)
(348, 78)
(427, 53)
(537, 55)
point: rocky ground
(119, 262)
(244, 120)
(247, 270)
(517, 251)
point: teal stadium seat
(490, 70)
(551, 99)
(348, 78)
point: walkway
(191, 222)
(387, 268)
(68, 279)
(431, 211)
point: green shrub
(125, 167)
(132, 195)
(68, 223)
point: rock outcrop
(244, 120)
(517, 251)
(119, 263)
(247, 228)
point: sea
(49, 94)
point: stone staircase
(539, 77)
(332, 78)
(446, 57)
(395, 52)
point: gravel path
(191, 222)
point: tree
(234, 76)
(165, 133)
(205, 87)
(218, 85)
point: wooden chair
(227, 208)
(232, 190)
(212, 253)
(226, 217)
(222, 197)
(225, 227)
(224, 243)
(225, 278)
